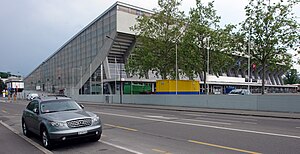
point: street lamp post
(101, 72)
(249, 64)
(176, 70)
(207, 69)
(182, 30)
(90, 79)
(119, 70)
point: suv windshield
(57, 106)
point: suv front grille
(79, 123)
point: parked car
(239, 92)
(57, 119)
(31, 96)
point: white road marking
(3, 101)
(120, 147)
(44, 150)
(223, 123)
(201, 125)
(197, 115)
(298, 127)
(250, 123)
(203, 117)
(160, 117)
(236, 118)
(10, 116)
(218, 120)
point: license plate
(82, 132)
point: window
(32, 105)
(57, 106)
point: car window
(32, 105)
(236, 91)
(59, 105)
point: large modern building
(92, 61)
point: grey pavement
(12, 143)
(207, 110)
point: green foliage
(5, 74)
(2, 86)
(156, 37)
(272, 31)
(291, 77)
(203, 34)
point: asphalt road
(149, 131)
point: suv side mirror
(81, 106)
(36, 111)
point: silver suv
(59, 119)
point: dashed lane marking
(161, 151)
(223, 147)
(120, 147)
(120, 127)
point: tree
(5, 74)
(205, 39)
(291, 77)
(272, 30)
(2, 86)
(156, 38)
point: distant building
(92, 61)
(14, 84)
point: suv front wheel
(46, 141)
(25, 129)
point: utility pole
(207, 92)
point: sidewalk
(18, 100)
(207, 110)
(12, 143)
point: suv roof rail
(57, 95)
(38, 97)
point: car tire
(46, 141)
(96, 138)
(25, 130)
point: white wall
(213, 78)
(125, 21)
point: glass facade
(65, 67)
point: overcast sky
(32, 30)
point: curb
(46, 151)
(168, 108)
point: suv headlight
(95, 119)
(57, 123)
